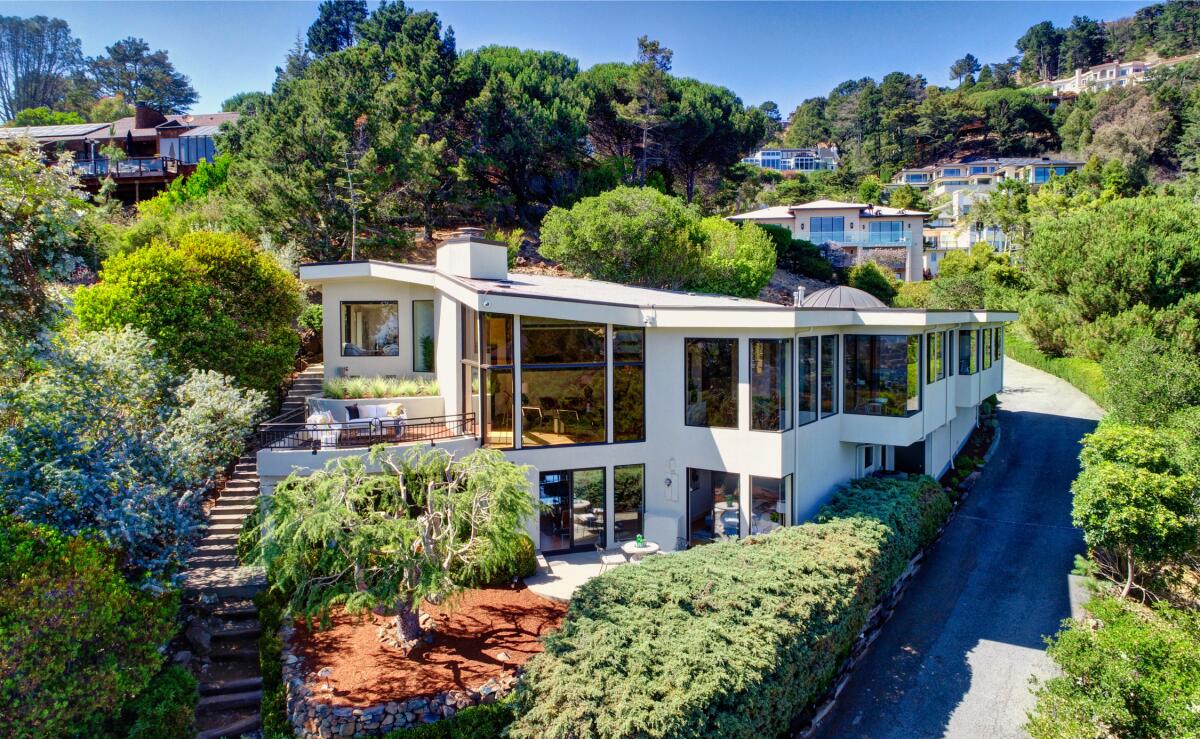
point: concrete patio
(565, 573)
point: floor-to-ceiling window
(770, 503)
(714, 511)
(935, 368)
(370, 328)
(629, 500)
(986, 348)
(571, 510)
(496, 344)
(885, 232)
(999, 347)
(562, 382)
(629, 383)
(468, 327)
(711, 370)
(967, 352)
(823, 229)
(882, 375)
(806, 386)
(770, 386)
(829, 357)
(424, 346)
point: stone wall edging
(312, 717)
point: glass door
(571, 514)
(554, 517)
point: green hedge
(477, 722)
(1084, 374)
(731, 639)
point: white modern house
(687, 418)
(820, 158)
(852, 232)
(1111, 74)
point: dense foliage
(107, 440)
(484, 721)
(213, 302)
(636, 656)
(871, 278)
(77, 638)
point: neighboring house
(687, 418)
(157, 148)
(958, 184)
(1109, 75)
(853, 232)
(815, 159)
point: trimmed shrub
(804, 258)
(913, 294)
(522, 565)
(213, 302)
(738, 260)
(165, 709)
(870, 277)
(76, 639)
(486, 721)
(1128, 671)
(732, 639)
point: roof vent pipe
(798, 296)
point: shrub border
(1077, 372)
(808, 722)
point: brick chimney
(146, 117)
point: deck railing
(132, 167)
(291, 431)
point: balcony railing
(291, 431)
(861, 238)
(126, 168)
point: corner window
(829, 354)
(770, 386)
(496, 343)
(770, 503)
(966, 352)
(934, 355)
(710, 366)
(371, 329)
(424, 348)
(562, 382)
(985, 348)
(999, 347)
(806, 386)
(629, 383)
(882, 375)
(629, 501)
(714, 507)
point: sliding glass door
(571, 510)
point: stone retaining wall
(313, 717)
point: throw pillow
(352, 412)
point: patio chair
(609, 559)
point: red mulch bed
(469, 636)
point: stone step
(223, 687)
(219, 516)
(238, 499)
(232, 729)
(241, 485)
(230, 700)
(224, 528)
(250, 630)
(235, 608)
(234, 651)
(224, 582)
(228, 559)
(231, 508)
(220, 537)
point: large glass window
(423, 342)
(469, 334)
(986, 348)
(999, 347)
(629, 500)
(371, 329)
(770, 501)
(829, 354)
(629, 383)
(496, 343)
(966, 352)
(562, 382)
(885, 232)
(882, 375)
(806, 395)
(951, 357)
(935, 369)
(711, 370)
(714, 510)
(823, 229)
(571, 510)
(770, 388)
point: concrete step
(224, 582)
(244, 630)
(235, 608)
(219, 537)
(224, 528)
(232, 729)
(221, 518)
(237, 486)
(238, 499)
(228, 559)
(223, 687)
(231, 508)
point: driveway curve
(956, 657)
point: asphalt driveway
(956, 658)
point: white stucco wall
(371, 289)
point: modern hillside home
(686, 418)
(852, 232)
(820, 158)
(156, 148)
(1109, 75)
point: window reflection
(829, 353)
(571, 510)
(424, 354)
(770, 498)
(712, 379)
(770, 389)
(562, 382)
(498, 408)
(806, 395)
(934, 354)
(629, 384)
(882, 375)
(713, 506)
(986, 349)
(629, 492)
(370, 329)
(966, 352)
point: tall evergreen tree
(37, 56)
(650, 95)
(336, 26)
(1082, 45)
(130, 69)
(1040, 50)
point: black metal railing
(132, 167)
(291, 431)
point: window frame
(835, 376)
(416, 348)
(787, 494)
(735, 365)
(919, 395)
(535, 368)
(641, 528)
(785, 398)
(816, 380)
(342, 325)
(617, 364)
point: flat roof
(610, 293)
(71, 130)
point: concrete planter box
(423, 406)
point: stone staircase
(223, 627)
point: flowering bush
(76, 639)
(108, 440)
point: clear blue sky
(762, 51)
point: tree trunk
(408, 625)
(1129, 574)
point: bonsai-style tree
(387, 542)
